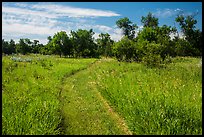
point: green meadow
(49, 95)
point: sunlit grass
(152, 100)
(165, 100)
(30, 89)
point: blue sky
(38, 20)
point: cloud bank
(40, 20)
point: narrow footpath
(84, 110)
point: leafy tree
(12, 46)
(150, 53)
(148, 34)
(128, 28)
(61, 44)
(193, 36)
(150, 21)
(23, 46)
(36, 46)
(8, 47)
(5, 45)
(163, 38)
(125, 50)
(83, 43)
(49, 38)
(105, 44)
(159, 35)
(48, 48)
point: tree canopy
(127, 26)
(150, 21)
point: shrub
(150, 53)
(125, 50)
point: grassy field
(154, 101)
(31, 88)
(51, 95)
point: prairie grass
(30, 92)
(154, 100)
(84, 110)
(38, 91)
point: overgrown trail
(84, 110)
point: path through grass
(30, 93)
(114, 97)
(85, 111)
(52, 95)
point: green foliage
(6, 48)
(125, 50)
(150, 21)
(185, 48)
(61, 44)
(148, 34)
(193, 36)
(36, 47)
(23, 46)
(128, 29)
(104, 43)
(83, 43)
(150, 53)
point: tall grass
(164, 100)
(30, 93)
(152, 100)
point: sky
(38, 20)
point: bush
(184, 48)
(125, 50)
(150, 53)
(152, 60)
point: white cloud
(41, 20)
(19, 11)
(164, 13)
(179, 34)
(117, 34)
(103, 28)
(74, 12)
(27, 29)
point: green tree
(163, 38)
(36, 46)
(125, 50)
(150, 21)
(159, 35)
(5, 45)
(148, 34)
(8, 47)
(105, 43)
(127, 27)
(23, 46)
(83, 43)
(192, 35)
(61, 44)
(48, 48)
(12, 46)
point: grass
(85, 111)
(30, 93)
(51, 95)
(154, 101)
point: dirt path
(85, 111)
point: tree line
(152, 45)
